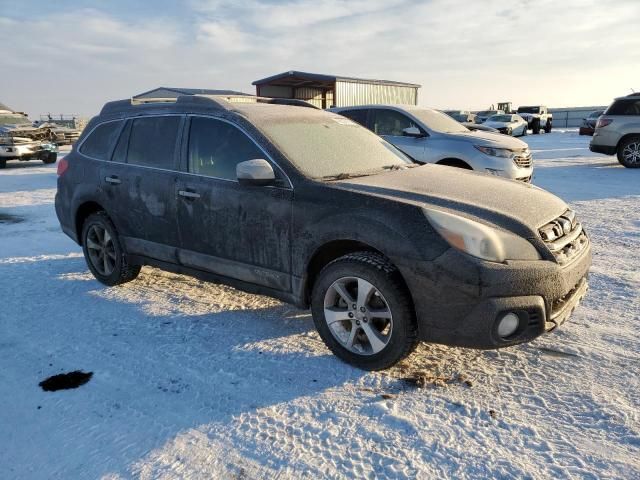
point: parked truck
(538, 118)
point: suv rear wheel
(363, 311)
(49, 158)
(629, 152)
(104, 254)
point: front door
(233, 230)
(389, 124)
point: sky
(71, 57)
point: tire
(547, 127)
(535, 127)
(49, 158)
(524, 131)
(395, 335)
(3, 163)
(629, 152)
(114, 270)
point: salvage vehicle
(538, 118)
(482, 116)
(61, 135)
(588, 126)
(508, 124)
(309, 207)
(20, 141)
(618, 131)
(429, 136)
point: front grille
(564, 306)
(523, 160)
(564, 237)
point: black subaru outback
(311, 208)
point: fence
(571, 117)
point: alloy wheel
(358, 315)
(102, 251)
(631, 153)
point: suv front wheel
(363, 312)
(629, 152)
(104, 254)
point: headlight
(495, 152)
(480, 240)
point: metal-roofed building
(171, 92)
(325, 91)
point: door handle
(188, 194)
(113, 179)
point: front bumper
(459, 299)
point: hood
(509, 204)
(488, 139)
(498, 124)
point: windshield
(499, 118)
(14, 120)
(330, 145)
(529, 110)
(437, 121)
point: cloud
(466, 54)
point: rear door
(234, 230)
(142, 179)
(389, 124)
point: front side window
(390, 122)
(216, 147)
(100, 142)
(152, 141)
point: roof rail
(220, 102)
(254, 99)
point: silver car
(430, 136)
(618, 131)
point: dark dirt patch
(65, 381)
(8, 218)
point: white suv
(430, 136)
(618, 131)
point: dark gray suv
(311, 208)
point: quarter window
(216, 147)
(100, 141)
(152, 141)
(390, 122)
(624, 107)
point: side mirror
(255, 172)
(412, 132)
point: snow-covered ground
(195, 380)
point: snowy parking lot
(197, 380)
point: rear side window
(390, 122)
(152, 141)
(625, 107)
(216, 147)
(359, 116)
(100, 142)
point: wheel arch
(626, 137)
(82, 213)
(454, 162)
(332, 250)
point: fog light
(508, 325)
